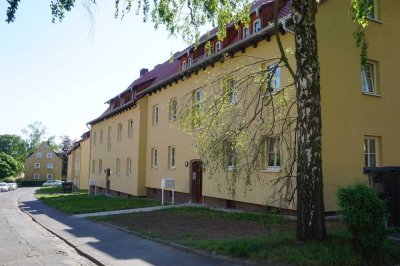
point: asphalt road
(24, 242)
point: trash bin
(67, 187)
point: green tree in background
(14, 146)
(9, 166)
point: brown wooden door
(197, 182)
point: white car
(4, 187)
(50, 183)
(12, 186)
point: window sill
(153, 168)
(371, 94)
(230, 168)
(272, 169)
(376, 20)
(172, 168)
(172, 120)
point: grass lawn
(259, 237)
(80, 202)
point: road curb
(69, 243)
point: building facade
(43, 164)
(141, 140)
(78, 162)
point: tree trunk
(310, 199)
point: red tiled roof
(164, 71)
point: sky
(62, 74)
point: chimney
(143, 71)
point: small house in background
(78, 162)
(43, 164)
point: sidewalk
(106, 245)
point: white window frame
(368, 153)
(117, 167)
(255, 28)
(366, 89)
(94, 138)
(274, 77)
(38, 155)
(49, 155)
(37, 165)
(374, 14)
(245, 32)
(154, 158)
(276, 152)
(190, 61)
(171, 157)
(119, 132)
(156, 114)
(130, 128)
(128, 166)
(100, 166)
(231, 156)
(184, 64)
(109, 138)
(173, 103)
(36, 176)
(50, 165)
(49, 176)
(93, 166)
(198, 105)
(218, 46)
(101, 136)
(231, 91)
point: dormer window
(184, 64)
(245, 32)
(218, 46)
(256, 25)
(189, 62)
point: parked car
(4, 187)
(50, 183)
(12, 186)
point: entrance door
(197, 182)
(108, 173)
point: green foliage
(81, 202)
(360, 10)
(9, 166)
(29, 183)
(366, 215)
(13, 145)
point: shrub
(365, 215)
(30, 183)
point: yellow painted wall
(348, 114)
(84, 164)
(43, 171)
(125, 148)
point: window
(156, 110)
(50, 166)
(119, 132)
(368, 75)
(49, 176)
(256, 25)
(94, 138)
(171, 157)
(172, 109)
(231, 91)
(93, 166)
(37, 165)
(49, 155)
(109, 139)
(38, 155)
(371, 151)
(36, 176)
(100, 168)
(184, 64)
(130, 128)
(245, 32)
(189, 61)
(198, 107)
(154, 158)
(101, 136)
(231, 156)
(272, 153)
(128, 166)
(372, 14)
(117, 167)
(273, 78)
(218, 46)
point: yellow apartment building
(78, 162)
(43, 164)
(139, 137)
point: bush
(366, 216)
(30, 183)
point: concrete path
(106, 245)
